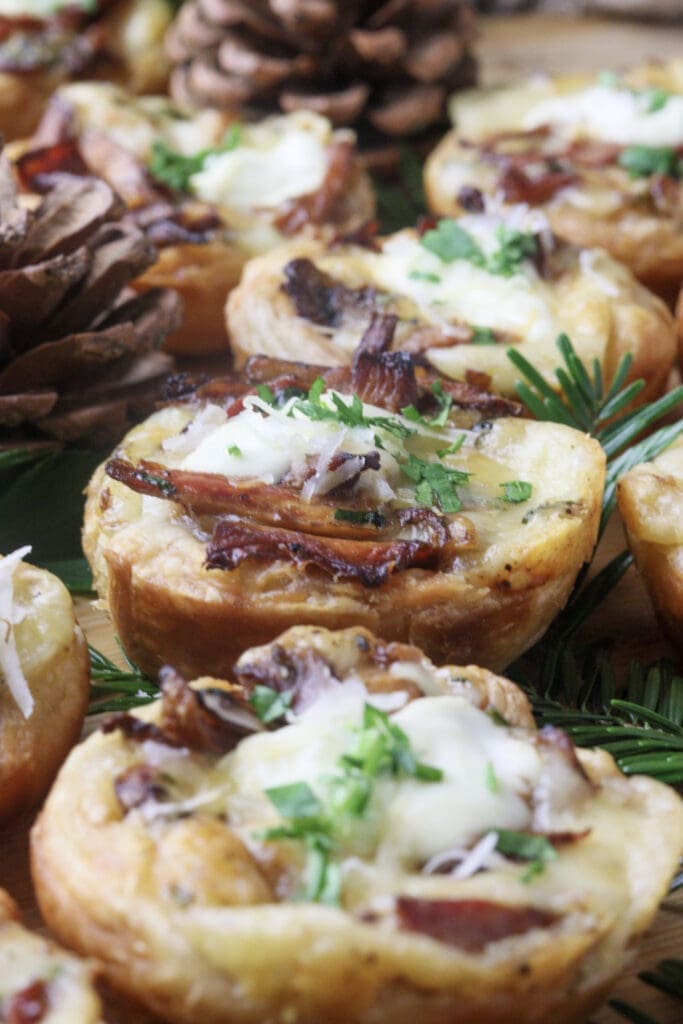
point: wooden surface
(510, 47)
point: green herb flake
(436, 484)
(491, 779)
(643, 161)
(483, 336)
(424, 275)
(451, 242)
(265, 394)
(536, 868)
(655, 99)
(175, 169)
(514, 247)
(452, 448)
(516, 491)
(296, 800)
(525, 846)
(269, 704)
(235, 450)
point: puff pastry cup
(238, 189)
(38, 981)
(377, 495)
(44, 681)
(44, 43)
(464, 290)
(399, 843)
(650, 500)
(600, 156)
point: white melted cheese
(407, 821)
(11, 671)
(277, 160)
(35, 8)
(26, 958)
(611, 114)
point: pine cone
(386, 67)
(76, 347)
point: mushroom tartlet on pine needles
(210, 191)
(392, 842)
(40, 982)
(376, 494)
(602, 157)
(44, 680)
(464, 291)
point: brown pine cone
(386, 67)
(76, 346)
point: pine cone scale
(68, 216)
(30, 295)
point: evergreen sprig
(117, 689)
(667, 977)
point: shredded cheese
(10, 664)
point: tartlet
(378, 495)
(211, 192)
(43, 44)
(44, 681)
(465, 291)
(39, 981)
(602, 157)
(650, 500)
(399, 844)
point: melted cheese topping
(407, 821)
(26, 958)
(277, 160)
(611, 114)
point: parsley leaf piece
(536, 868)
(268, 704)
(323, 878)
(642, 161)
(265, 393)
(424, 275)
(491, 779)
(234, 449)
(452, 448)
(369, 517)
(516, 491)
(445, 402)
(296, 800)
(316, 389)
(349, 793)
(524, 846)
(655, 99)
(175, 169)
(483, 336)
(436, 484)
(450, 242)
(514, 247)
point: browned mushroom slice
(470, 924)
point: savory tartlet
(44, 680)
(40, 983)
(210, 192)
(602, 157)
(44, 43)
(650, 500)
(465, 291)
(378, 495)
(394, 842)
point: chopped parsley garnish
(265, 394)
(424, 275)
(175, 169)
(365, 517)
(436, 484)
(350, 414)
(443, 401)
(235, 450)
(491, 779)
(449, 241)
(516, 491)
(377, 747)
(483, 336)
(655, 99)
(269, 704)
(452, 448)
(642, 161)
(526, 846)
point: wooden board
(510, 47)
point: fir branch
(401, 202)
(667, 977)
(117, 689)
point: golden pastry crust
(650, 500)
(588, 198)
(504, 571)
(36, 975)
(200, 918)
(54, 659)
(590, 297)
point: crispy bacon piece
(319, 206)
(381, 377)
(518, 186)
(234, 542)
(29, 1006)
(469, 924)
(193, 719)
(319, 297)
